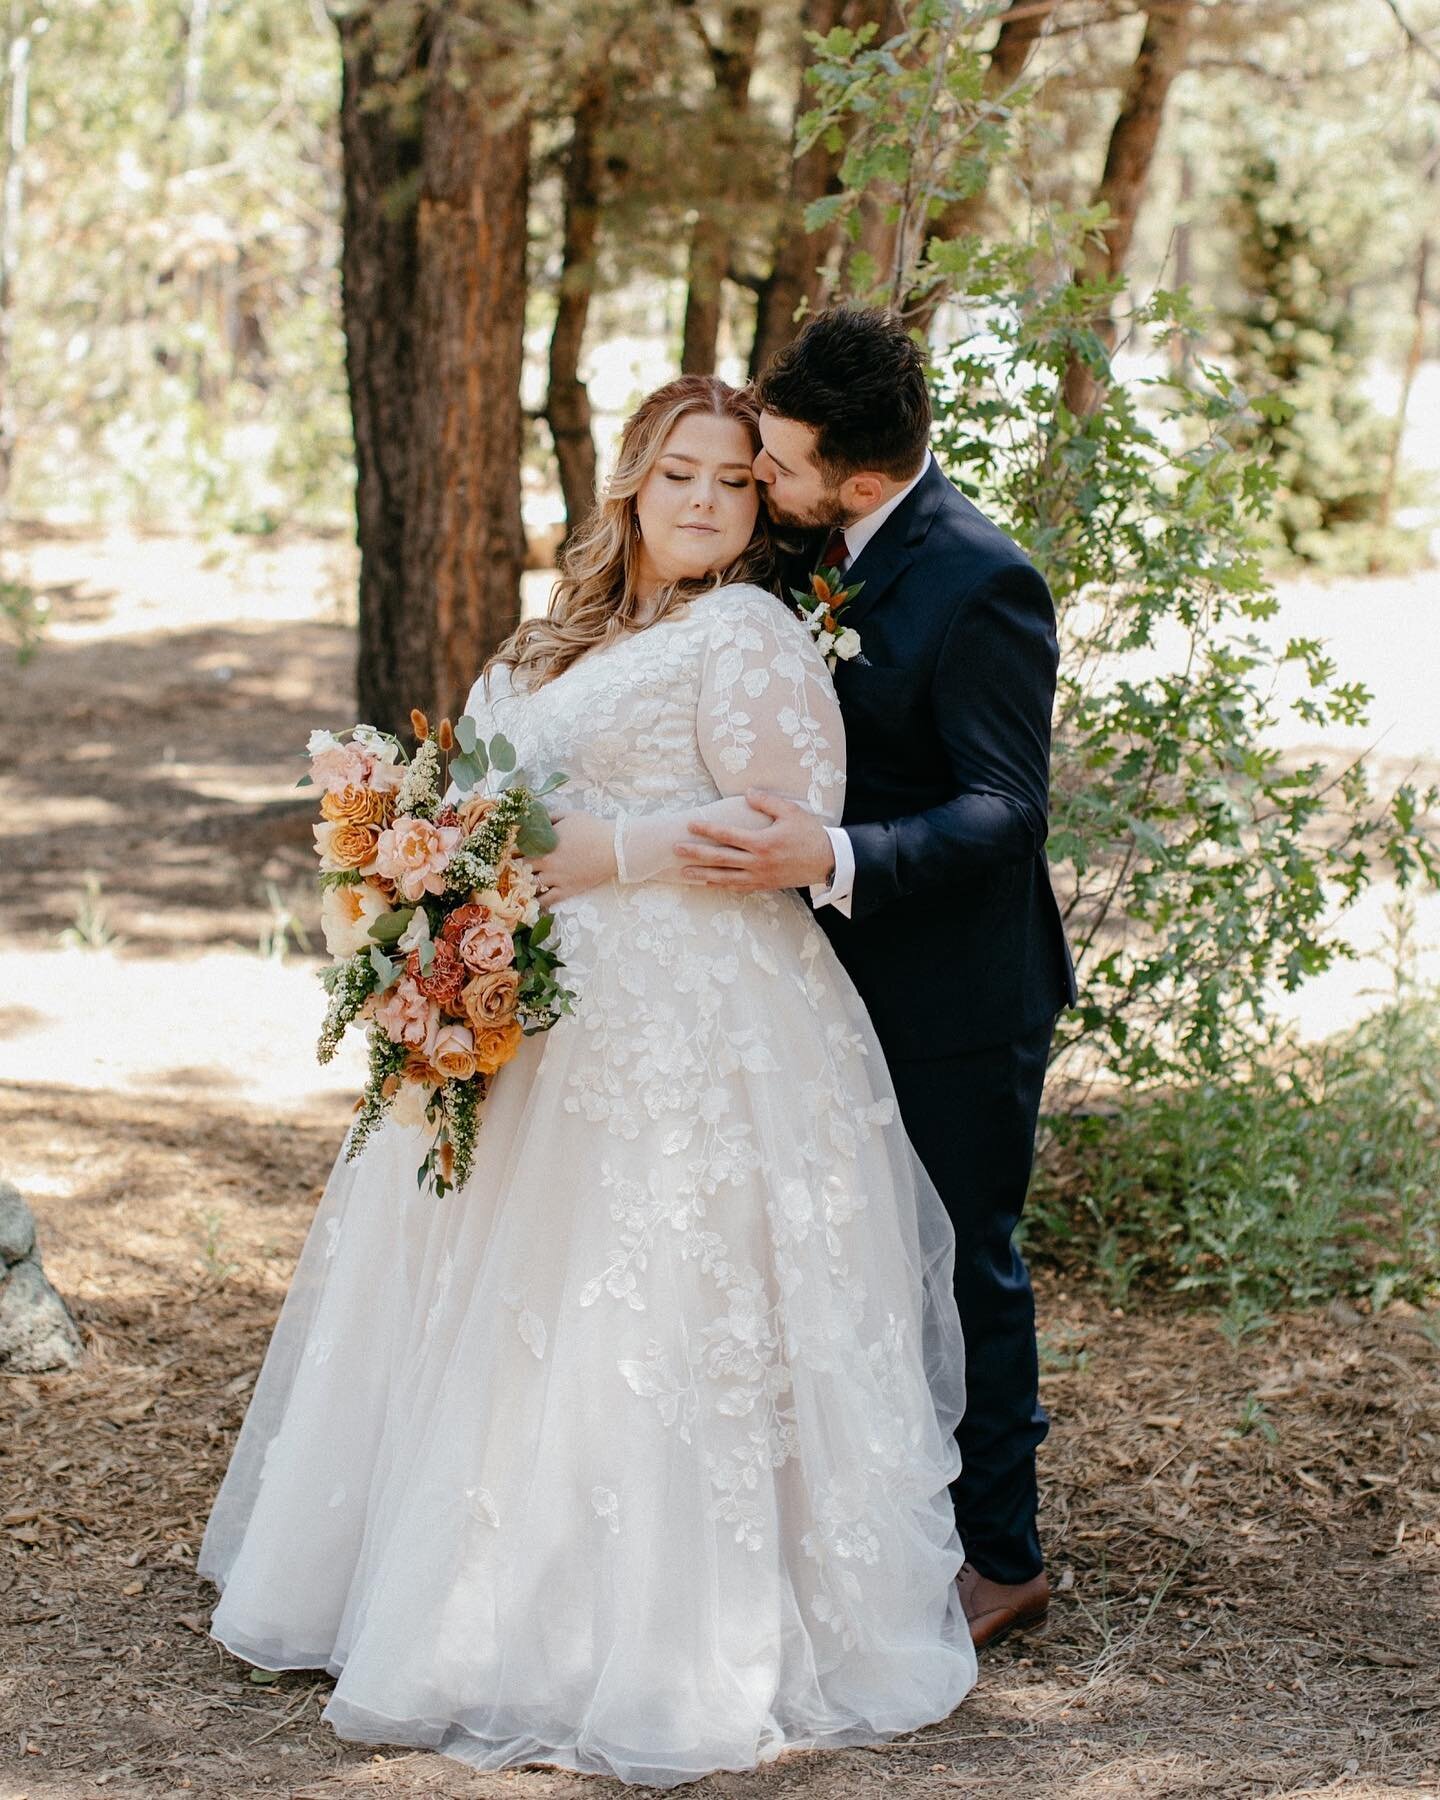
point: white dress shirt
(838, 890)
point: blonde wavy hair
(595, 599)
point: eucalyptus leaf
(465, 733)
(536, 835)
(391, 925)
(502, 752)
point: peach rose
(512, 898)
(356, 806)
(346, 915)
(413, 854)
(475, 811)
(452, 1055)
(496, 1045)
(346, 846)
(408, 1015)
(490, 999)
(486, 947)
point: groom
(934, 891)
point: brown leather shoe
(996, 1608)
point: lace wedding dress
(632, 1455)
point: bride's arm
(766, 718)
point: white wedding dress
(631, 1456)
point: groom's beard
(826, 514)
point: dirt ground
(1245, 1539)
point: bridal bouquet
(820, 609)
(430, 913)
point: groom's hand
(794, 850)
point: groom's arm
(993, 693)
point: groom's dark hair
(857, 377)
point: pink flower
(413, 854)
(339, 766)
(408, 1015)
(486, 947)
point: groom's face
(793, 488)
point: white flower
(416, 933)
(847, 644)
(382, 748)
(408, 1106)
(321, 740)
(346, 915)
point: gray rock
(37, 1328)
(17, 1224)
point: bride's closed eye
(744, 483)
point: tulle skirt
(631, 1456)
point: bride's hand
(583, 857)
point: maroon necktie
(835, 551)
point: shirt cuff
(838, 890)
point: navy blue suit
(955, 940)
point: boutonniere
(820, 609)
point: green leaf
(465, 732)
(391, 925)
(382, 966)
(305, 781)
(502, 752)
(536, 835)
(466, 772)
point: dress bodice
(727, 693)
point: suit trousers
(972, 1120)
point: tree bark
(378, 270)
(1131, 151)
(567, 404)
(464, 545)
(732, 62)
(12, 201)
(1414, 355)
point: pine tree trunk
(1162, 55)
(732, 62)
(378, 280)
(567, 405)
(464, 545)
(1414, 355)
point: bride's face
(698, 504)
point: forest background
(317, 326)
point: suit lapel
(894, 546)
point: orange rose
(495, 1045)
(489, 1000)
(357, 806)
(475, 811)
(344, 845)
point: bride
(631, 1455)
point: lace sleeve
(767, 718)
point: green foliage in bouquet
(518, 817)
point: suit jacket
(955, 939)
